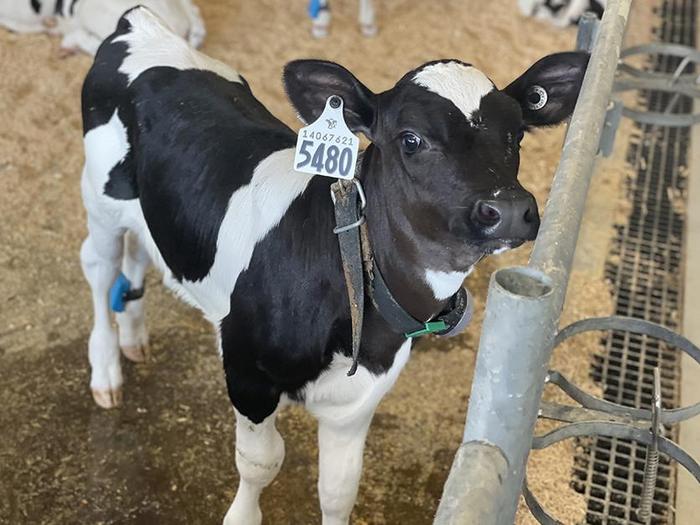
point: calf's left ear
(547, 92)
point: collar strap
(449, 322)
(349, 202)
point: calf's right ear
(309, 83)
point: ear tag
(327, 146)
(539, 100)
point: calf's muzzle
(507, 215)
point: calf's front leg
(344, 407)
(259, 457)
(340, 448)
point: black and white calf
(85, 23)
(182, 156)
(561, 13)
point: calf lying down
(187, 170)
(84, 24)
(561, 13)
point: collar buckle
(431, 327)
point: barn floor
(166, 456)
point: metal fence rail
(523, 308)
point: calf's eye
(410, 142)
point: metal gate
(488, 473)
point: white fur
(445, 284)
(100, 256)
(94, 20)
(564, 17)
(344, 407)
(133, 336)
(18, 16)
(105, 147)
(464, 86)
(152, 44)
(259, 457)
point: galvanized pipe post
(524, 305)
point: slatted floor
(645, 270)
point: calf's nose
(510, 214)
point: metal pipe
(524, 303)
(482, 467)
(554, 248)
(510, 371)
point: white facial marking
(151, 44)
(463, 85)
(445, 284)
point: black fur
(36, 6)
(597, 8)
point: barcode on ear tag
(327, 147)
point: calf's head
(444, 154)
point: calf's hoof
(136, 353)
(319, 31)
(107, 398)
(49, 22)
(369, 30)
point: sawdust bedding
(46, 302)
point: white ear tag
(327, 147)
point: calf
(182, 156)
(85, 23)
(561, 13)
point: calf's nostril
(529, 216)
(487, 213)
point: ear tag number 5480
(327, 146)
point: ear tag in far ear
(536, 97)
(327, 146)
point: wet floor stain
(166, 456)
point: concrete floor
(687, 500)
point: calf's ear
(309, 83)
(547, 92)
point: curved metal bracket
(586, 400)
(631, 325)
(679, 83)
(598, 417)
(600, 428)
